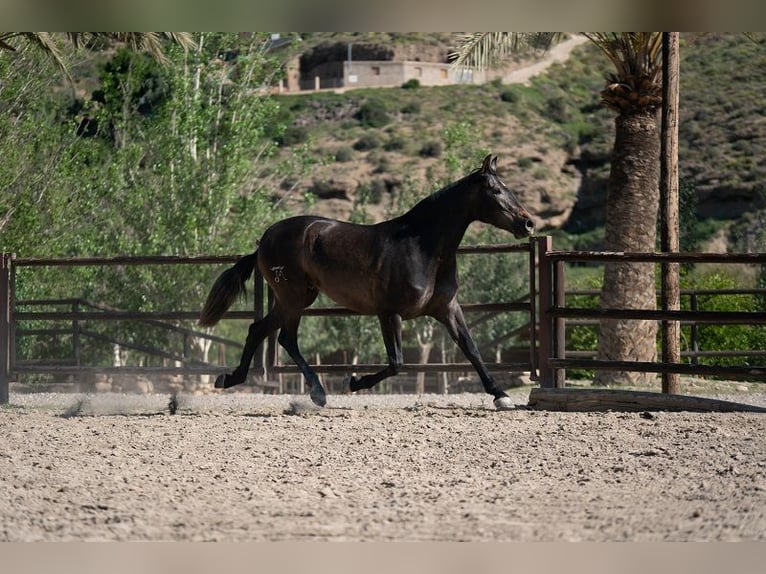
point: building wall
(381, 73)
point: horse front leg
(454, 320)
(257, 332)
(391, 327)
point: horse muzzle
(524, 228)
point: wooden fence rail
(554, 314)
(80, 311)
(546, 307)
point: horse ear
(488, 165)
(493, 165)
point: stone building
(339, 65)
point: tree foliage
(163, 168)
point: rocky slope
(552, 137)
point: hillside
(378, 149)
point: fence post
(544, 245)
(533, 346)
(76, 332)
(695, 331)
(258, 309)
(271, 346)
(6, 342)
(559, 324)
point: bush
(396, 143)
(432, 149)
(557, 109)
(343, 154)
(367, 142)
(525, 162)
(293, 135)
(411, 108)
(411, 84)
(373, 114)
(510, 95)
(724, 337)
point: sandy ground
(248, 467)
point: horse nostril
(530, 225)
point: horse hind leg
(391, 327)
(257, 332)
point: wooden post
(671, 294)
(559, 324)
(544, 244)
(533, 346)
(6, 308)
(271, 348)
(258, 283)
(76, 332)
(695, 343)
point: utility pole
(669, 236)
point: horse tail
(229, 285)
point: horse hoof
(347, 384)
(319, 398)
(504, 404)
(220, 382)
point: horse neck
(443, 217)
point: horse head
(498, 205)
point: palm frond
(51, 44)
(633, 54)
(482, 50)
(44, 41)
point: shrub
(293, 135)
(367, 142)
(382, 164)
(373, 114)
(557, 109)
(524, 162)
(411, 108)
(343, 154)
(510, 95)
(411, 84)
(724, 337)
(396, 143)
(432, 149)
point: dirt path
(444, 468)
(558, 53)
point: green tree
(177, 182)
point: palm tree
(634, 91)
(51, 43)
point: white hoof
(346, 385)
(504, 404)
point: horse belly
(371, 295)
(347, 292)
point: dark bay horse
(398, 269)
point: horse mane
(426, 204)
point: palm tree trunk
(631, 226)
